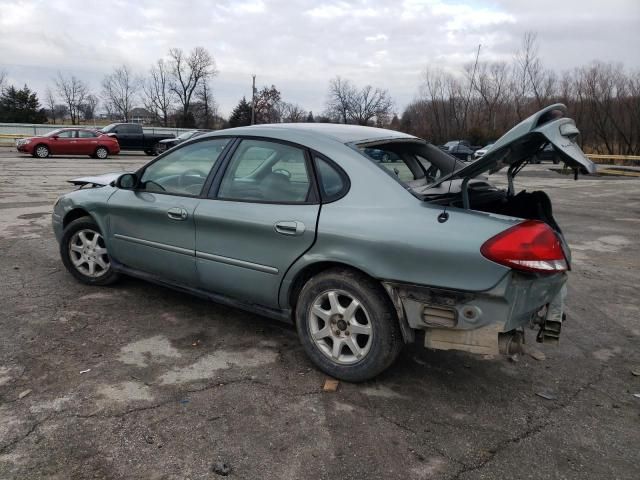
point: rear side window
(333, 182)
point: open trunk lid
(514, 148)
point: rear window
(414, 164)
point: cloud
(298, 45)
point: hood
(169, 140)
(518, 145)
(98, 180)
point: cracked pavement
(175, 384)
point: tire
(154, 150)
(379, 341)
(78, 250)
(41, 151)
(101, 153)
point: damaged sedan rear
(303, 223)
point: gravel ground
(138, 381)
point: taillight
(531, 245)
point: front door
(65, 143)
(152, 227)
(261, 220)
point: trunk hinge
(465, 193)
(510, 175)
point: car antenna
(444, 215)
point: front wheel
(347, 325)
(41, 151)
(84, 253)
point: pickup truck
(131, 137)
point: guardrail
(19, 130)
(622, 160)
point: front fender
(91, 200)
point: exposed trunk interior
(526, 205)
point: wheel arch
(312, 269)
(74, 214)
(40, 144)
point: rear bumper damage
(488, 322)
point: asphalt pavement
(138, 381)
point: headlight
(27, 140)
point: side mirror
(55, 137)
(127, 181)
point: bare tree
(292, 113)
(267, 105)
(50, 102)
(339, 99)
(347, 104)
(208, 104)
(119, 90)
(88, 108)
(158, 96)
(369, 104)
(188, 72)
(73, 92)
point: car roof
(333, 131)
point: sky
(299, 45)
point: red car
(70, 141)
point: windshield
(416, 165)
(187, 135)
(109, 127)
(54, 132)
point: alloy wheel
(42, 152)
(88, 253)
(101, 153)
(340, 327)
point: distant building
(141, 115)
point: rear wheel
(41, 151)
(347, 325)
(102, 153)
(84, 253)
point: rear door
(261, 218)
(129, 136)
(152, 227)
(87, 142)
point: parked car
(381, 155)
(481, 151)
(168, 143)
(70, 141)
(132, 137)
(547, 154)
(460, 149)
(296, 222)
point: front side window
(263, 171)
(183, 171)
(86, 134)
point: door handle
(289, 228)
(177, 213)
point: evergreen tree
(241, 115)
(310, 118)
(21, 106)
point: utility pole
(253, 101)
